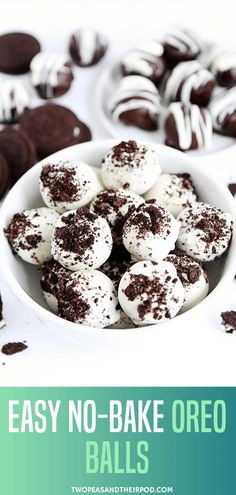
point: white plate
(23, 278)
(105, 86)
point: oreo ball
(181, 45)
(87, 47)
(19, 152)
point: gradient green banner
(58, 441)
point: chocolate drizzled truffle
(89, 298)
(150, 232)
(51, 74)
(87, 47)
(53, 275)
(174, 192)
(14, 99)
(145, 60)
(181, 45)
(188, 127)
(222, 62)
(29, 234)
(136, 102)
(151, 292)
(68, 185)
(205, 231)
(131, 165)
(81, 239)
(223, 112)
(193, 278)
(189, 82)
(115, 205)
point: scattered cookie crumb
(13, 348)
(229, 321)
(232, 188)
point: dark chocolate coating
(141, 118)
(53, 127)
(16, 52)
(19, 152)
(158, 71)
(4, 179)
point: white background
(51, 359)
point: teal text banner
(60, 441)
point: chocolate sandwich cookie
(19, 152)
(53, 127)
(16, 52)
(4, 176)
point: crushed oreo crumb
(13, 348)
(229, 321)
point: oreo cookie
(16, 52)
(18, 151)
(4, 179)
(53, 127)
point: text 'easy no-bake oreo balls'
(123, 246)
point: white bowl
(23, 278)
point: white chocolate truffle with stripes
(188, 127)
(189, 82)
(205, 231)
(136, 102)
(223, 112)
(181, 45)
(87, 47)
(145, 60)
(150, 232)
(14, 99)
(51, 74)
(131, 165)
(173, 191)
(151, 292)
(222, 62)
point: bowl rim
(46, 314)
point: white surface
(51, 359)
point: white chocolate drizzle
(134, 92)
(222, 105)
(183, 41)
(88, 42)
(46, 69)
(142, 58)
(191, 75)
(191, 120)
(13, 99)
